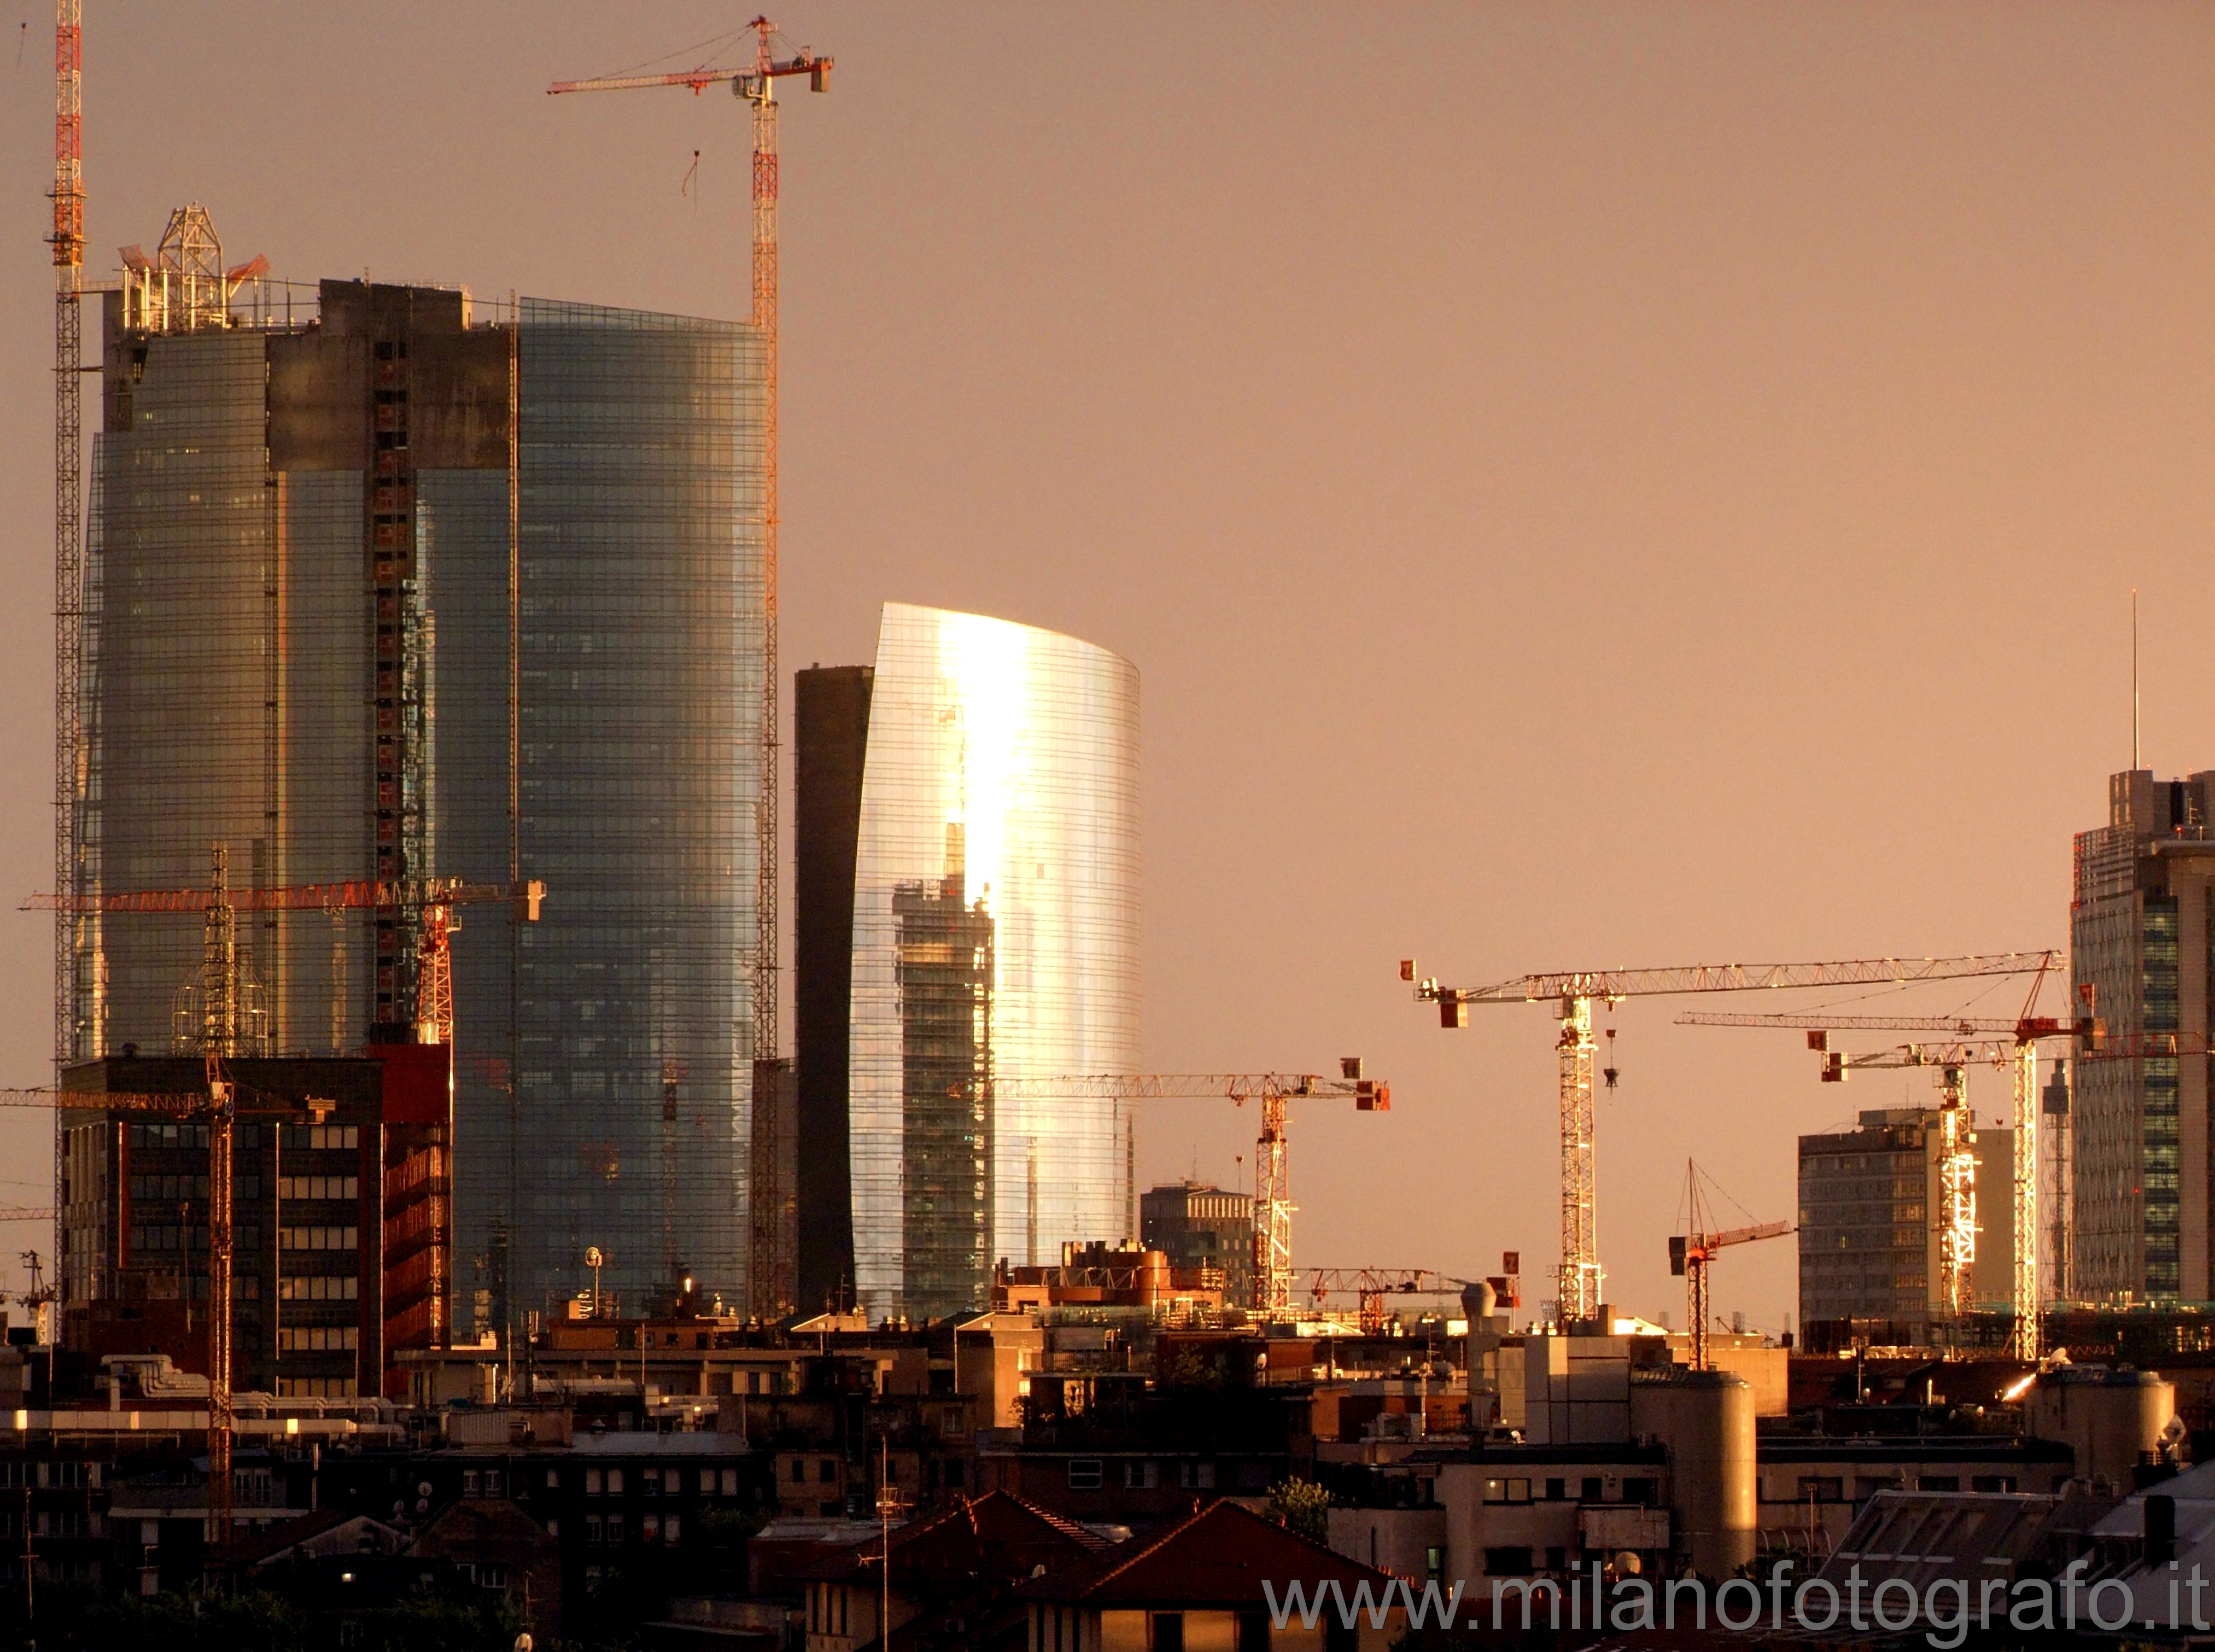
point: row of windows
(319, 1187)
(652, 1528)
(654, 1483)
(318, 1339)
(321, 1138)
(1089, 1474)
(319, 1288)
(319, 1238)
(1590, 1490)
(176, 1187)
(67, 1476)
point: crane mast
(68, 240)
(774, 1238)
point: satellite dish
(593, 1257)
(2173, 1431)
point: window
(799, 1469)
(1641, 1491)
(649, 1529)
(1084, 1475)
(492, 1482)
(1822, 1488)
(1939, 1482)
(614, 1528)
(826, 1471)
(957, 1474)
(1593, 1492)
(591, 1528)
(669, 1528)
(591, 1483)
(649, 1481)
(1511, 1561)
(470, 1482)
(1556, 1490)
(1339, 1636)
(1434, 1563)
(320, 1137)
(1195, 1476)
(1168, 1631)
(1137, 1476)
(1557, 1559)
(1992, 1482)
(1514, 1490)
(553, 1479)
(730, 1483)
(614, 1482)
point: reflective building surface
(302, 539)
(995, 937)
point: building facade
(341, 1217)
(383, 588)
(1198, 1226)
(1869, 1219)
(994, 938)
(2138, 946)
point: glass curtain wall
(640, 504)
(180, 685)
(995, 919)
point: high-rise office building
(316, 515)
(830, 743)
(1869, 1220)
(988, 908)
(2138, 945)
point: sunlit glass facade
(996, 931)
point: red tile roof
(997, 1535)
(1218, 1556)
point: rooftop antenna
(2134, 676)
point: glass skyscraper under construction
(994, 938)
(315, 518)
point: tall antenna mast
(2134, 676)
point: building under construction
(968, 922)
(380, 585)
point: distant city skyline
(1594, 486)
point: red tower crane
(1691, 1251)
(775, 1260)
(434, 898)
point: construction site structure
(1370, 1286)
(1691, 1251)
(1273, 1185)
(1580, 1276)
(772, 1276)
(225, 1018)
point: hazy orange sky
(1582, 485)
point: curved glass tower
(996, 937)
